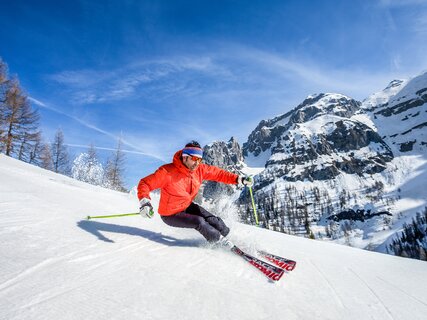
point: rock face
(266, 133)
(224, 155)
(328, 134)
(317, 140)
(227, 156)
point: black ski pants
(196, 217)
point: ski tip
(88, 218)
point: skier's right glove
(145, 208)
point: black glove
(245, 181)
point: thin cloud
(138, 149)
(81, 78)
(420, 24)
(166, 77)
(401, 3)
(282, 71)
(231, 68)
(415, 15)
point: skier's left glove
(145, 208)
(245, 181)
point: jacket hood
(177, 162)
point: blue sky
(161, 73)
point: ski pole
(112, 216)
(253, 205)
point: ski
(272, 272)
(281, 262)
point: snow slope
(56, 265)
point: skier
(179, 183)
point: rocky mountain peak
(268, 132)
(325, 103)
(380, 99)
(394, 84)
(399, 113)
(226, 155)
(222, 154)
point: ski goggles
(196, 159)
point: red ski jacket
(178, 185)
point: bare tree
(45, 160)
(27, 146)
(3, 72)
(3, 85)
(36, 152)
(60, 157)
(115, 169)
(18, 121)
(92, 155)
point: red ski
(272, 272)
(283, 263)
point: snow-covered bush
(88, 169)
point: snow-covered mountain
(400, 114)
(338, 169)
(57, 265)
(318, 140)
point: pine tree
(422, 254)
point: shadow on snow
(95, 228)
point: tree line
(412, 241)
(21, 138)
(295, 211)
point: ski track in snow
(36, 268)
(373, 293)
(331, 287)
(403, 291)
(26, 273)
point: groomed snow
(57, 265)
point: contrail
(108, 149)
(90, 126)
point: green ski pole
(253, 205)
(112, 216)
